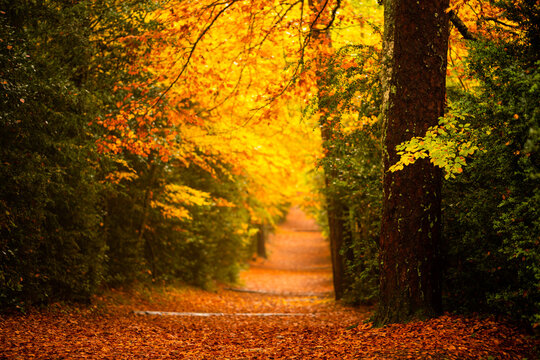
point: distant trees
(351, 98)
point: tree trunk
(415, 49)
(334, 207)
(336, 212)
(336, 224)
(144, 216)
(262, 236)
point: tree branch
(333, 16)
(460, 26)
(495, 20)
(186, 63)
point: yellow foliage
(232, 104)
(177, 198)
(234, 113)
(184, 195)
(117, 176)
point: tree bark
(144, 216)
(415, 49)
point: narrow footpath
(298, 262)
(282, 308)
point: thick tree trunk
(415, 48)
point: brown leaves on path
(110, 330)
(298, 263)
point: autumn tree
(329, 124)
(415, 47)
(204, 147)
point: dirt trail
(298, 261)
(295, 281)
(310, 325)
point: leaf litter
(296, 279)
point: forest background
(148, 141)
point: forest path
(289, 314)
(298, 261)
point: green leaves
(447, 145)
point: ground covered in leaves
(284, 310)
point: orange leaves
(482, 20)
(238, 97)
(118, 333)
(321, 329)
(456, 4)
(348, 64)
(227, 99)
(118, 176)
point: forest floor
(285, 311)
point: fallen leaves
(109, 329)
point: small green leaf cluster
(447, 145)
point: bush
(491, 213)
(49, 223)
